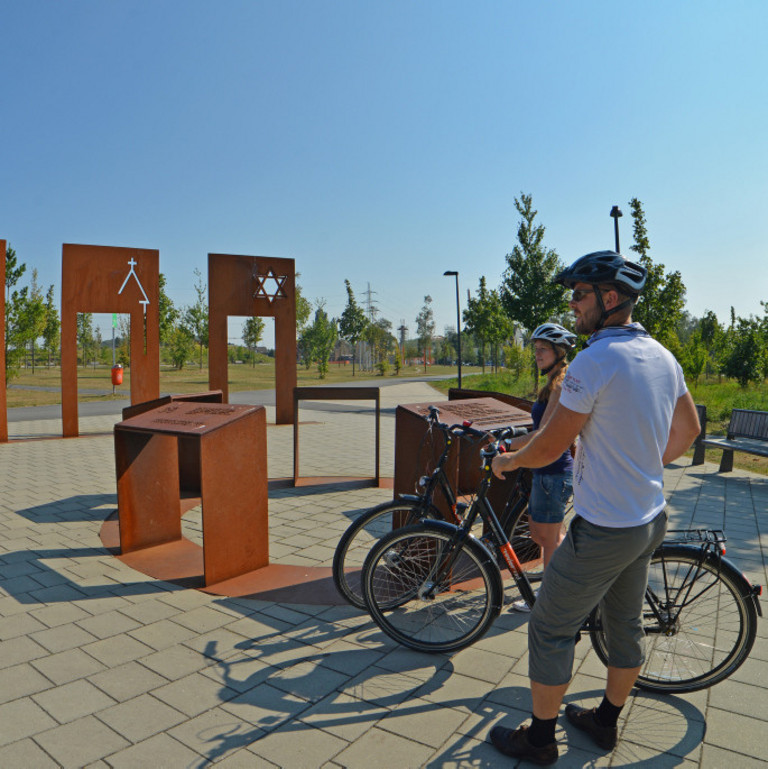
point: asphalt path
(247, 397)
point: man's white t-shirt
(629, 384)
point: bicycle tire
(362, 534)
(715, 627)
(452, 614)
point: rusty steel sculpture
(3, 399)
(229, 447)
(110, 279)
(251, 286)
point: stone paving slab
(102, 666)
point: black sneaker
(603, 736)
(514, 742)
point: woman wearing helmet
(552, 485)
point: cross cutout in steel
(270, 286)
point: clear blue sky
(385, 142)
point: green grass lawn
(190, 379)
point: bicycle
(371, 526)
(435, 587)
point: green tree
(196, 315)
(660, 307)
(169, 313)
(353, 323)
(318, 340)
(14, 314)
(477, 317)
(52, 329)
(527, 292)
(378, 334)
(13, 270)
(253, 329)
(694, 357)
(180, 346)
(85, 335)
(303, 309)
(713, 338)
(425, 329)
(745, 355)
(34, 317)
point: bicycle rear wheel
(709, 623)
(363, 533)
(430, 592)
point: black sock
(607, 714)
(541, 731)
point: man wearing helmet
(625, 397)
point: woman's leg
(548, 536)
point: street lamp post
(615, 214)
(458, 317)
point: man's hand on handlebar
(504, 463)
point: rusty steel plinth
(249, 286)
(415, 455)
(230, 443)
(3, 397)
(114, 280)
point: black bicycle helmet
(605, 267)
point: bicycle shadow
(656, 732)
(279, 683)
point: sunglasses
(578, 294)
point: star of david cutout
(269, 286)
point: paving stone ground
(102, 666)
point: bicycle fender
(410, 498)
(444, 526)
(747, 589)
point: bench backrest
(701, 411)
(746, 423)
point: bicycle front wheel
(429, 591)
(708, 624)
(362, 534)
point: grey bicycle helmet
(605, 267)
(556, 334)
(559, 337)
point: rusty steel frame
(251, 286)
(334, 394)
(98, 279)
(231, 447)
(3, 396)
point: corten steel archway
(110, 279)
(253, 286)
(3, 399)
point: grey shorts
(593, 565)
(550, 493)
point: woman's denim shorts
(550, 493)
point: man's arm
(685, 427)
(547, 444)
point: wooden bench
(747, 431)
